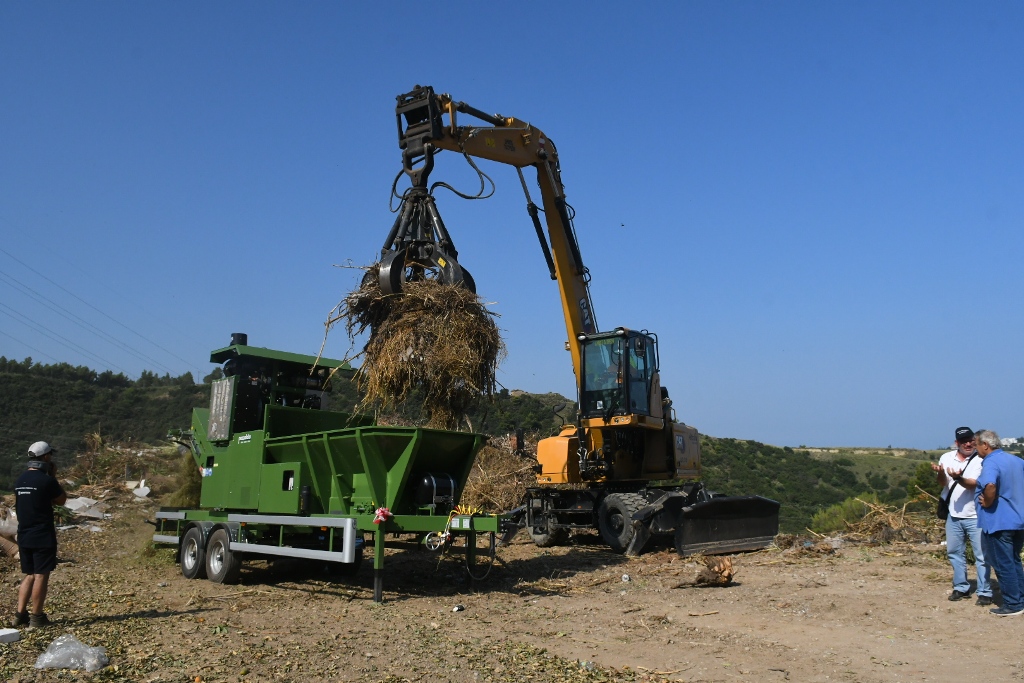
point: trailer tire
(193, 554)
(614, 519)
(222, 564)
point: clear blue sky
(817, 206)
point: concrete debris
(87, 507)
(9, 635)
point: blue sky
(816, 206)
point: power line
(30, 348)
(84, 324)
(123, 298)
(53, 336)
(104, 314)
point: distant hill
(807, 481)
(62, 403)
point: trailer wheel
(614, 519)
(193, 555)
(222, 565)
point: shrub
(837, 517)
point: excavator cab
(619, 371)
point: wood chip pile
(432, 340)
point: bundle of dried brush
(434, 339)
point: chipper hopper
(283, 476)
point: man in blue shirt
(1000, 497)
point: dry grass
(888, 524)
(437, 340)
(499, 478)
(189, 482)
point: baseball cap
(39, 449)
(964, 434)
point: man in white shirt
(957, 471)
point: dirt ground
(562, 614)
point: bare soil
(562, 614)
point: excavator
(625, 466)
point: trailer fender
(231, 527)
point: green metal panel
(240, 350)
(231, 477)
(280, 487)
(349, 469)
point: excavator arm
(423, 130)
(625, 443)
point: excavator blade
(727, 524)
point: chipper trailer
(283, 476)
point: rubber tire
(193, 554)
(222, 565)
(613, 519)
(549, 538)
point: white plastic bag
(68, 652)
(8, 522)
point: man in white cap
(958, 471)
(35, 493)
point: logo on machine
(490, 142)
(510, 146)
(680, 443)
(586, 318)
(244, 438)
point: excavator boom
(639, 468)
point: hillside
(63, 403)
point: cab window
(602, 383)
(640, 370)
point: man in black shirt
(35, 493)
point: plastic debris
(8, 522)
(142, 491)
(459, 608)
(9, 635)
(68, 652)
(626, 578)
(87, 507)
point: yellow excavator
(625, 465)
